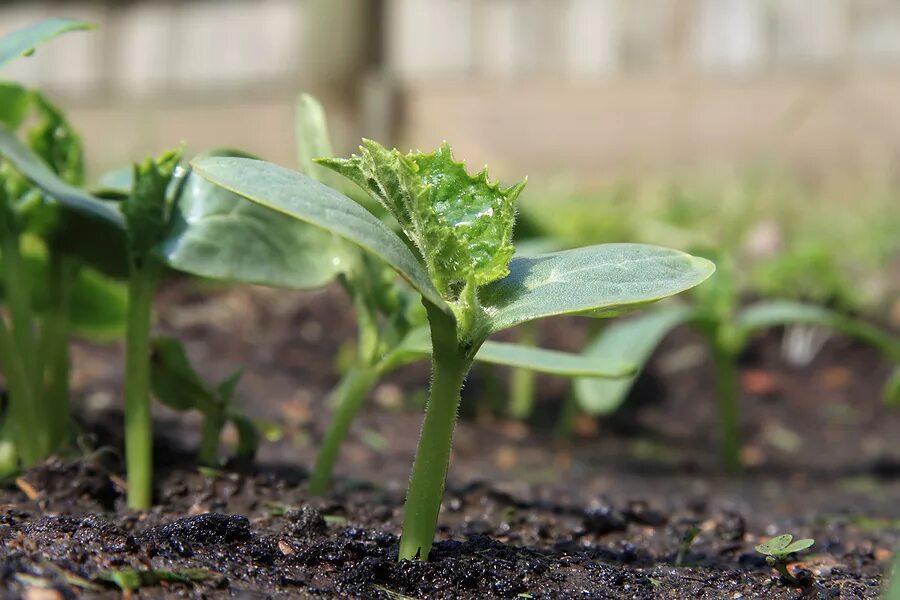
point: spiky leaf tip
(461, 224)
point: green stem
(449, 365)
(208, 455)
(727, 394)
(22, 408)
(138, 422)
(18, 294)
(348, 397)
(522, 385)
(54, 348)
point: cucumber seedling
(256, 244)
(458, 256)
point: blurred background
(770, 127)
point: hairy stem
(728, 398)
(138, 422)
(348, 397)
(449, 365)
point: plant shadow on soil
(525, 515)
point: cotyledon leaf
(417, 345)
(771, 313)
(33, 168)
(299, 197)
(24, 41)
(218, 234)
(599, 281)
(632, 339)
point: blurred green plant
(715, 312)
(461, 264)
(52, 284)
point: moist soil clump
(600, 513)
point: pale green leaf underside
(24, 40)
(417, 345)
(299, 197)
(221, 235)
(33, 168)
(598, 281)
(773, 313)
(632, 340)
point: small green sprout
(778, 550)
(176, 384)
(131, 580)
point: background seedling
(460, 227)
(778, 550)
(177, 385)
(728, 328)
(49, 283)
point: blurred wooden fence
(591, 83)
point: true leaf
(417, 345)
(226, 388)
(461, 224)
(24, 41)
(313, 141)
(220, 235)
(301, 198)
(145, 208)
(598, 281)
(633, 340)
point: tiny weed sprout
(778, 550)
(177, 385)
(728, 328)
(459, 258)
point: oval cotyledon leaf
(298, 197)
(599, 281)
(218, 234)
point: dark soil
(598, 514)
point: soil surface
(600, 513)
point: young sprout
(459, 257)
(177, 385)
(778, 550)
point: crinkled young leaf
(54, 140)
(218, 234)
(461, 224)
(145, 208)
(631, 340)
(417, 345)
(23, 41)
(14, 104)
(598, 281)
(298, 197)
